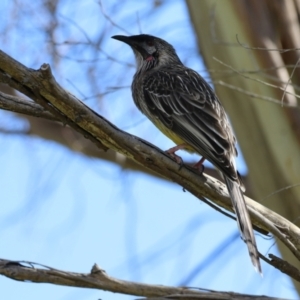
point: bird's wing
(186, 104)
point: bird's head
(150, 51)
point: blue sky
(68, 211)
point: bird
(183, 106)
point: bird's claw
(199, 165)
(176, 157)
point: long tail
(243, 220)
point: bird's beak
(123, 38)
(129, 40)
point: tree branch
(22, 106)
(98, 279)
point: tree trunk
(257, 89)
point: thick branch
(98, 279)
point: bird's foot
(199, 165)
(172, 153)
(177, 158)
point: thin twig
(255, 79)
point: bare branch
(281, 265)
(98, 279)
(254, 95)
(284, 89)
(13, 73)
(263, 48)
(22, 106)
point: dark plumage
(186, 109)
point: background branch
(98, 279)
(23, 106)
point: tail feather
(243, 220)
